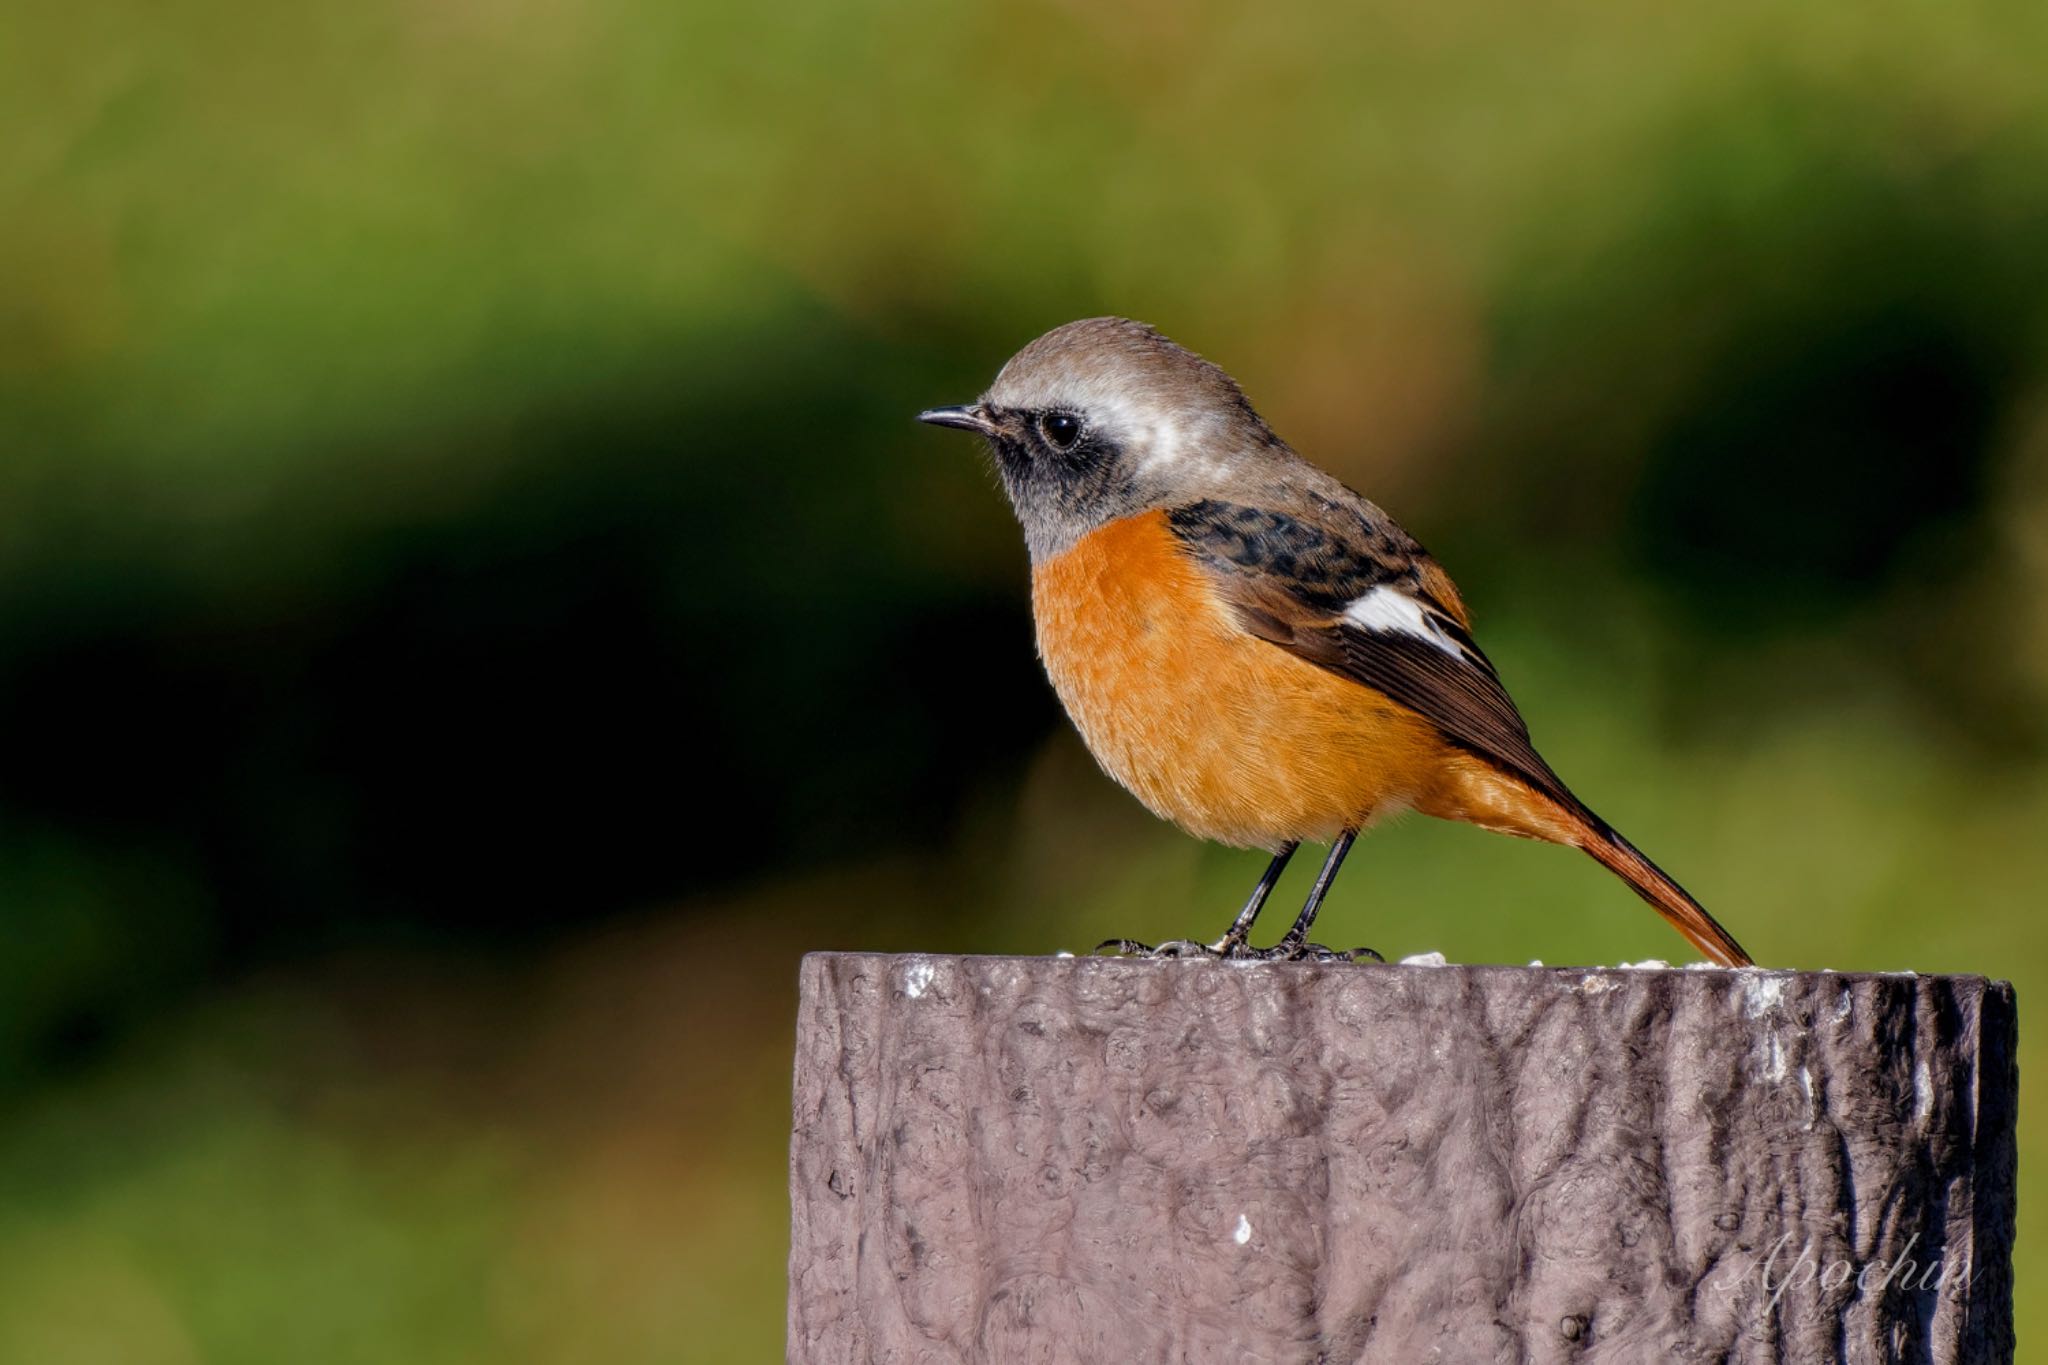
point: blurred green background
(474, 606)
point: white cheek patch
(1162, 443)
(1152, 435)
(1391, 610)
(1194, 452)
(1161, 438)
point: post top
(1765, 983)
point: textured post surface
(1112, 1162)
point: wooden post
(1115, 1162)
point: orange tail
(1649, 881)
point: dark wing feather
(1465, 701)
(1289, 578)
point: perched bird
(1258, 653)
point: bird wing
(1356, 596)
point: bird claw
(1283, 951)
(1169, 951)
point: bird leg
(1232, 944)
(1295, 944)
(1293, 947)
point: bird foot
(1282, 951)
(1172, 950)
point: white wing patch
(1391, 610)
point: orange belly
(1227, 735)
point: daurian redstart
(1258, 653)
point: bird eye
(1062, 429)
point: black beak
(964, 419)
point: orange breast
(1227, 735)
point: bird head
(1104, 418)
